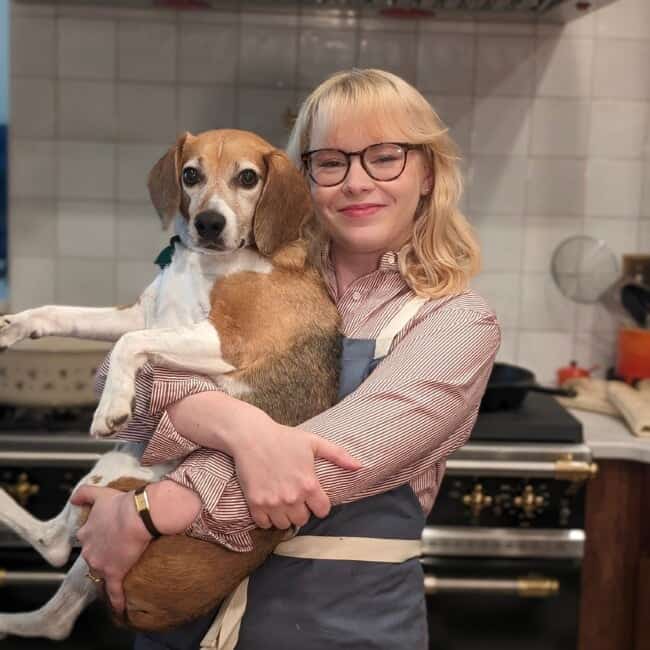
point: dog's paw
(15, 328)
(110, 417)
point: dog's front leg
(98, 323)
(55, 619)
(192, 348)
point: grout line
(57, 149)
(236, 81)
(116, 155)
(577, 330)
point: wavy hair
(443, 252)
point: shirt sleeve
(416, 408)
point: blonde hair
(443, 252)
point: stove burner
(541, 418)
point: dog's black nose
(210, 224)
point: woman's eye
(384, 160)
(331, 163)
(191, 176)
(248, 178)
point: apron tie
(224, 631)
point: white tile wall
(553, 124)
(95, 39)
(208, 53)
(87, 110)
(560, 127)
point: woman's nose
(357, 179)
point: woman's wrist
(172, 507)
(217, 421)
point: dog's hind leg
(52, 538)
(56, 618)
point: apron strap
(358, 549)
(224, 631)
(396, 324)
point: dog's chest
(182, 291)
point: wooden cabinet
(615, 600)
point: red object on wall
(572, 371)
(633, 354)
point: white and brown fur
(240, 304)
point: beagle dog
(239, 302)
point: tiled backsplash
(553, 124)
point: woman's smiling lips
(361, 209)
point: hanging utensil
(636, 300)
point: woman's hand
(113, 538)
(275, 466)
(275, 463)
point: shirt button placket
(356, 296)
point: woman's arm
(274, 462)
(417, 407)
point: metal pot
(51, 372)
(508, 386)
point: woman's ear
(164, 182)
(284, 205)
(427, 184)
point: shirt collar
(387, 262)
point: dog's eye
(191, 176)
(248, 178)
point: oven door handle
(563, 469)
(523, 587)
(29, 578)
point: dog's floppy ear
(164, 182)
(283, 206)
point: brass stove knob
(529, 501)
(22, 490)
(476, 500)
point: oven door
(486, 589)
(502, 604)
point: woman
(397, 256)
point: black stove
(541, 418)
(45, 420)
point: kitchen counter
(609, 438)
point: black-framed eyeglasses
(383, 162)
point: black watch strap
(142, 508)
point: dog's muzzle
(209, 225)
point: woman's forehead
(351, 131)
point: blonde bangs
(443, 253)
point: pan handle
(563, 392)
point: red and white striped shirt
(417, 407)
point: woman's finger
(260, 518)
(85, 495)
(298, 514)
(279, 519)
(115, 593)
(329, 451)
(318, 502)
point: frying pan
(508, 386)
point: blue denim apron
(307, 604)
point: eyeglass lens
(383, 162)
